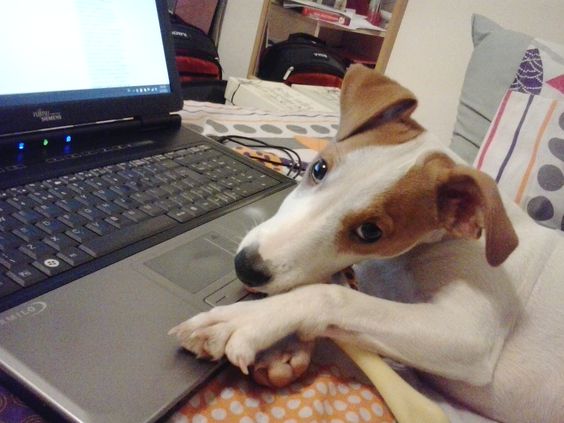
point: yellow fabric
(407, 405)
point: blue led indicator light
(68, 138)
(21, 146)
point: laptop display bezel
(21, 119)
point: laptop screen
(83, 52)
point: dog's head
(382, 188)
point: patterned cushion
(524, 148)
(495, 60)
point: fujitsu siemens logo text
(47, 115)
(26, 311)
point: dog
(486, 322)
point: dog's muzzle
(251, 268)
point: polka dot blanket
(324, 394)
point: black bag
(196, 54)
(302, 59)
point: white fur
(493, 338)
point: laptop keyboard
(52, 226)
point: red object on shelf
(326, 15)
(321, 80)
(374, 16)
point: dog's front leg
(450, 338)
(448, 341)
(241, 330)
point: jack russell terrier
(486, 324)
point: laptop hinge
(160, 121)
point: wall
(434, 46)
(237, 36)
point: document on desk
(278, 97)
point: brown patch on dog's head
(377, 107)
(434, 195)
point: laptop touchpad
(198, 263)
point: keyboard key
(29, 233)
(118, 221)
(37, 250)
(51, 226)
(109, 208)
(166, 204)
(105, 194)
(103, 245)
(50, 210)
(80, 234)
(193, 208)
(151, 209)
(51, 266)
(6, 208)
(114, 179)
(7, 286)
(135, 215)
(100, 227)
(97, 183)
(59, 242)
(8, 223)
(12, 258)
(92, 214)
(156, 193)
(62, 192)
(87, 199)
(74, 256)
(42, 197)
(141, 198)
(73, 220)
(69, 204)
(181, 215)
(207, 205)
(122, 190)
(8, 241)
(80, 187)
(128, 203)
(28, 216)
(21, 203)
(26, 275)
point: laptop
(116, 223)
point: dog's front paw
(283, 363)
(237, 331)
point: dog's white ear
(468, 202)
(370, 100)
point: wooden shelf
(358, 45)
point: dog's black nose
(251, 268)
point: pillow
(494, 62)
(524, 152)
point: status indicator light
(68, 138)
(45, 142)
(21, 145)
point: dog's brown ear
(468, 202)
(370, 100)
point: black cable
(285, 149)
(291, 167)
(296, 164)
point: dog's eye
(368, 232)
(319, 170)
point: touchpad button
(197, 264)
